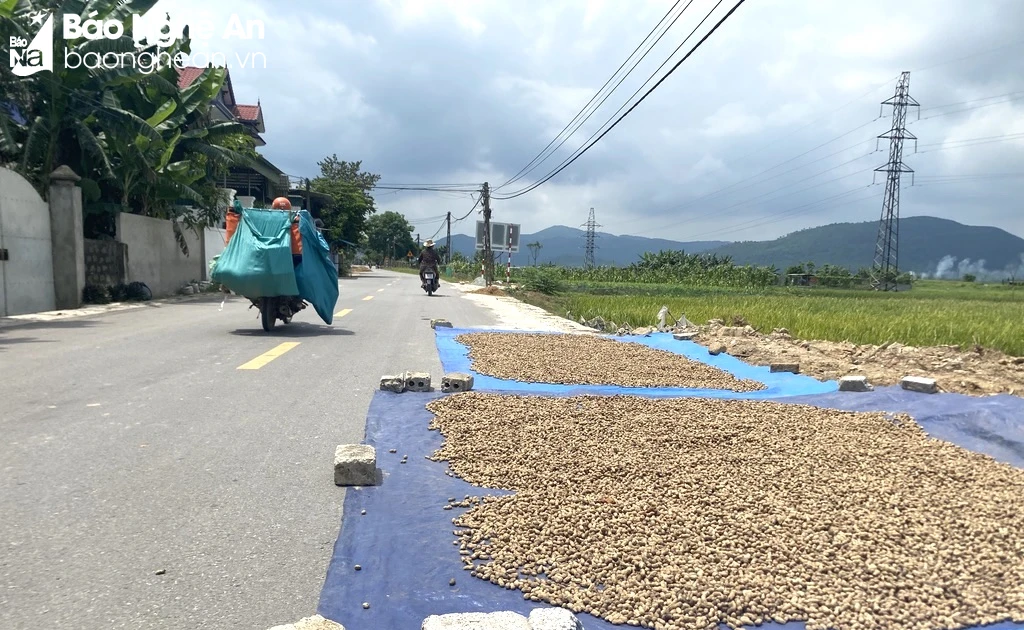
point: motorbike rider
(428, 259)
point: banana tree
(69, 108)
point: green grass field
(933, 313)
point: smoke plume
(949, 268)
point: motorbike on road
(277, 308)
(430, 282)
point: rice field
(932, 314)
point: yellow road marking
(380, 290)
(368, 297)
(267, 357)
(343, 312)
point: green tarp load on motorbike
(258, 261)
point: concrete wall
(154, 256)
(26, 276)
(104, 262)
(213, 241)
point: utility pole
(448, 241)
(488, 271)
(886, 262)
(591, 225)
(309, 208)
(418, 240)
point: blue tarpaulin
(455, 358)
(404, 541)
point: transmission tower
(886, 263)
(591, 225)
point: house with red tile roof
(266, 181)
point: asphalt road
(149, 483)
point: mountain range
(928, 246)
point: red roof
(248, 113)
(187, 75)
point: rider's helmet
(281, 203)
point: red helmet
(281, 203)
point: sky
(769, 127)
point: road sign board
(500, 233)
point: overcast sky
(453, 92)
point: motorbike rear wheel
(267, 313)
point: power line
(971, 142)
(971, 56)
(790, 212)
(635, 105)
(718, 212)
(425, 189)
(975, 100)
(470, 210)
(970, 109)
(523, 172)
(768, 170)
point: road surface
(148, 482)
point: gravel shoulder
(974, 371)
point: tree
(970, 277)
(346, 217)
(535, 248)
(390, 235)
(140, 143)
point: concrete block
(854, 384)
(456, 382)
(355, 465)
(553, 619)
(417, 381)
(440, 323)
(684, 336)
(919, 384)
(792, 368)
(477, 621)
(316, 622)
(394, 384)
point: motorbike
(277, 308)
(430, 282)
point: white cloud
(450, 92)
(731, 119)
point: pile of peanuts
(591, 360)
(686, 513)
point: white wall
(26, 279)
(213, 240)
(154, 256)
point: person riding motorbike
(428, 259)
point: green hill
(925, 244)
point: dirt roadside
(976, 371)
